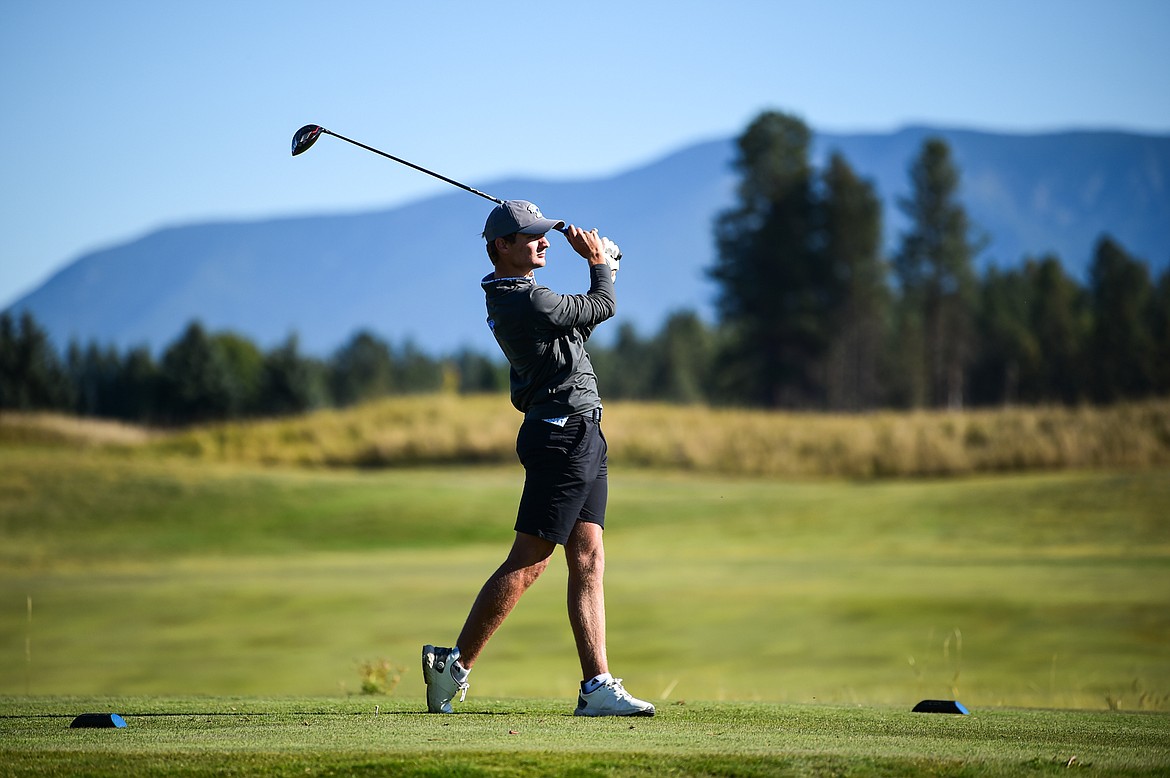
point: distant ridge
(1036, 193)
(412, 272)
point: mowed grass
(170, 577)
(368, 736)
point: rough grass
(885, 444)
(449, 429)
(56, 429)
(314, 736)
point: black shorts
(565, 476)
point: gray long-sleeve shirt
(543, 335)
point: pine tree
(681, 359)
(1060, 322)
(290, 383)
(478, 373)
(31, 374)
(777, 295)
(96, 375)
(1121, 345)
(1008, 354)
(196, 378)
(624, 370)
(245, 367)
(141, 386)
(361, 370)
(934, 269)
(852, 243)
(1161, 333)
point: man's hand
(587, 244)
(595, 249)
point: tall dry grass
(439, 429)
(56, 429)
(919, 443)
(398, 431)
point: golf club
(306, 136)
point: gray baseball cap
(517, 216)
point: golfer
(561, 446)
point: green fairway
(365, 736)
(153, 576)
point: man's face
(524, 255)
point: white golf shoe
(438, 665)
(611, 699)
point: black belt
(594, 414)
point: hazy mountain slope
(1032, 194)
(413, 272)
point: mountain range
(411, 273)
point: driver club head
(305, 137)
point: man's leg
(601, 693)
(585, 555)
(445, 669)
(526, 561)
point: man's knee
(532, 571)
(585, 552)
(530, 554)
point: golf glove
(613, 256)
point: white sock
(593, 683)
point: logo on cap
(532, 209)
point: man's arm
(583, 311)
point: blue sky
(123, 117)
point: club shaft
(451, 181)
